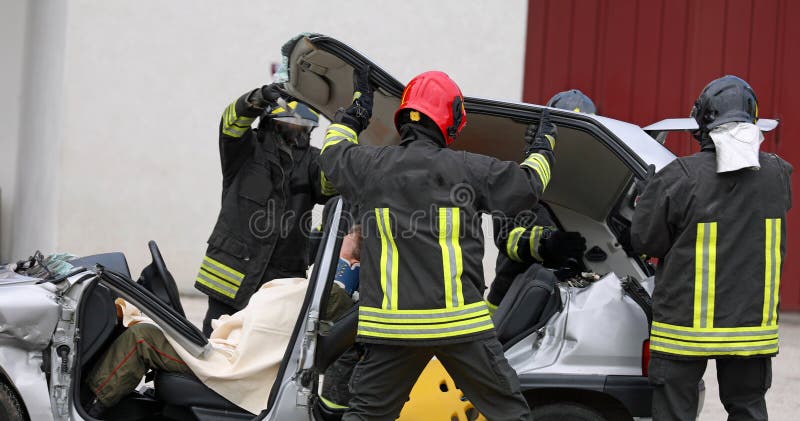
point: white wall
(12, 42)
(145, 82)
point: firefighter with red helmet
(422, 277)
(717, 222)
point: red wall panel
(646, 60)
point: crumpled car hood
(28, 312)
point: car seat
(527, 306)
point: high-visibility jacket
(268, 191)
(720, 240)
(518, 243)
(421, 269)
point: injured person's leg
(141, 347)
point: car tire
(10, 406)
(566, 412)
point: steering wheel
(161, 283)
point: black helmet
(573, 100)
(724, 100)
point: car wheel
(10, 406)
(566, 412)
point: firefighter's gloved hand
(541, 137)
(264, 96)
(641, 184)
(561, 246)
(357, 115)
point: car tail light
(645, 356)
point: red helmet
(436, 96)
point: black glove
(562, 246)
(357, 115)
(536, 137)
(641, 184)
(264, 96)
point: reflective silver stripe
(721, 348)
(447, 236)
(471, 312)
(535, 239)
(704, 275)
(223, 273)
(704, 293)
(512, 248)
(221, 285)
(385, 232)
(344, 133)
(773, 269)
(714, 334)
(233, 125)
(413, 330)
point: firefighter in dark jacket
(422, 278)
(536, 239)
(270, 183)
(716, 220)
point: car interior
(173, 394)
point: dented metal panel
(28, 314)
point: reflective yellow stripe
(714, 334)
(768, 266)
(452, 265)
(405, 327)
(330, 143)
(712, 329)
(535, 240)
(492, 308)
(326, 186)
(541, 166)
(233, 125)
(712, 274)
(424, 324)
(210, 281)
(479, 327)
(544, 164)
(389, 259)
(777, 284)
(338, 132)
(678, 347)
(331, 404)
(705, 274)
(223, 271)
(512, 244)
(417, 317)
(772, 270)
(552, 140)
(473, 308)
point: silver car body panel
(24, 370)
(599, 331)
(29, 314)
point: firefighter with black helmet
(270, 183)
(535, 239)
(573, 100)
(716, 220)
(421, 275)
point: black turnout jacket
(720, 240)
(421, 269)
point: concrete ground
(782, 400)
